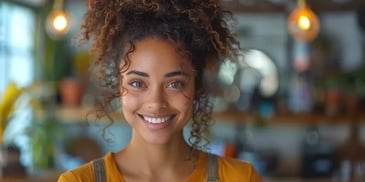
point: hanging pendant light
(303, 23)
(58, 21)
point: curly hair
(200, 29)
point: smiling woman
(151, 57)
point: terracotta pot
(352, 104)
(333, 102)
(71, 90)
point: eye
(176, 84)
(137, 84)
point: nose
(156, 100)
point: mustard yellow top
(230, 169)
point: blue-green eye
(177, 84)
(137, 84)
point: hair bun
(96, 3)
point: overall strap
(99, 170)
(212, 168)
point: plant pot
(334, 98)
(71, 90)
(2, 158)
(352, 104)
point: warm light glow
(303, 23)
(60, 23)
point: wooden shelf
(79, 114)
(309, 118)
(83, 114)
(317, 118)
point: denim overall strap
(212, 168)
(99, 170)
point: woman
(151, 57)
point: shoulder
(84, 172)
(236, 170)
(233, 163)
(81, 173)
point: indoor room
(292, 103)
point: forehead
(157, 53)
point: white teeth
(156, 120)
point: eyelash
(175, 84)
(134, 82)
(178, 84)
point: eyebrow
(139, 73)
(176, 73)
(170, 74)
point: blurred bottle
(264, 160)
(317, 155)
(241, 140)
(244, 149)
(300, 95)
(351, 157)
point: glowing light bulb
(60, 23)
(303, 23)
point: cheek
(184, 100)
(128, 102)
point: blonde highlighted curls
(200, 29)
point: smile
(156, 120)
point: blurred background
(292, 104)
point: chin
(160, 139)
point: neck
(147, 161)
(151, 156)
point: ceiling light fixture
(303, 23)
(58, 21)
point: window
(17, 30)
